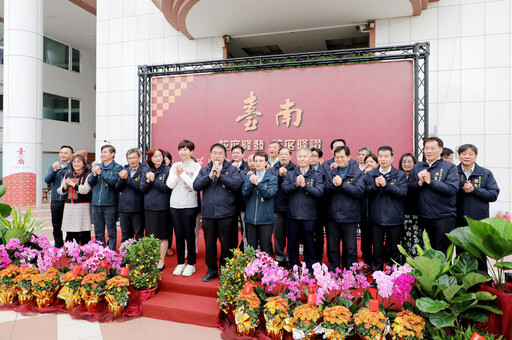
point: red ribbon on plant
(374, 305)
(103, 263)
(77, 270)
(248, 287)
(312, 298)
(125, 271)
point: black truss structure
(418, 53)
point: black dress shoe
(210, 276)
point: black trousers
(319, 236)
(280, 235)
(366, 241)
(131, 224)
(57, 210)
(261, 233)
(295, 229)
(184, 221)
(392, 236)
(347, 234)
(224, 230)
(81, 237)
(437, 228)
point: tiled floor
(62, 327)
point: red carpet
(185, 299)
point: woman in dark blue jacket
(157, 200)
(259, 190)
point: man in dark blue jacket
(386, 188)
(54, 179)
(103, 179)
(331, 163)
(280, 169)
(131, 199)
(477, 187)
(237, 153)
(436, 181)
(219, 182)
(345, 185)
(305, 187)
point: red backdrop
(366, 104)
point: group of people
(295, 205)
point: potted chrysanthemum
(336, 319)
(407, 326)
(70, 291)
(275, 312)
(305, 320)
(44, 286)
(116, 294)
(370, 322)
(24, 283)
(247, 310)
(93, 286)
(8, 284)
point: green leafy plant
(142, 259)
(445, 293)
(5, 209)
(491, 237)
(20, 228)
(462, 334)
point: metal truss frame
(418, 53)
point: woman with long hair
(76, 221)
(156, 200)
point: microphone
(215, 172)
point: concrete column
(23, 101)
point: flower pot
(91, 300)
(379, 336)
(274, 334)
(44, 298)
(331, 334)
(25, 296)
(71, 299)
(7, 295)
(113, 306)
(500, 324)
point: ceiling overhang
(208, 18)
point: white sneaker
(189, 270)
(178, 270)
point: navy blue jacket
(386, 205)
(345, 202)
(239, 200)
(244, 166)
(131, 199)
(219, 192)
(280, 199)
(411, 201)
(54, 178)
(104, 185)
(303, 203)
(157, 195)
(259, 207)
(437, 199)
(475, 204)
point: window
(60, 55)
(61, 108)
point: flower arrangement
(407, 326)
(370, 323)
(117, 294)
(4, 257)
(7, 284)
(233, 278)
(247, 310)
(275, 312)
(93, 286)
(44, 286)
(336, 319)
(70, 291)
(24, 283)
(142, 258)
(395, 282)
(305, 320)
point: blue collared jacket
(259, 199)
(131, 199)
(345, 200)
(303, 203)
(104, 191)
